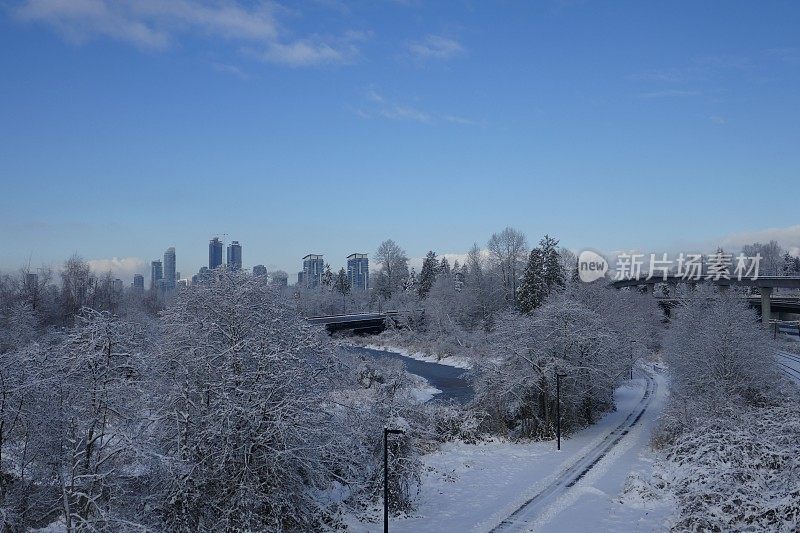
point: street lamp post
(558, 409)
(386, 432)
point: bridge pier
(766, 311)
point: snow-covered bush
(454, 422)
(718, 355)
(738, 472)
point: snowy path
(528, 514)
(789, 364)
(477, 487)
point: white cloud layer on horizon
(156, 25)
(123, 268)
(788, 238)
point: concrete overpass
(362, 323)
(357, 323)
(765, 285)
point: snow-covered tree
(393, 271)
(79, 421)
(554, 273)
(791, 265)
(327, 277)
(482, 296)
(569, 334)
(532, 289)
(543, 274)
(771, 257)
(342, 286)
(411, 284)
(245, 428)
(508, 250)
(427, 276)
(444, 268)
(719, 353)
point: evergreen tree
(553, 271)
(791, 265)
(543, 274)
(327, 276)
(411, 283)
(427, 276)
(342, 286)
(533, 288)
(444, 268)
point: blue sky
(326, 126)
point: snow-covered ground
(454, 361)
(477, 487)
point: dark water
(450, 380)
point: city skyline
(424, 118)
(126, 268)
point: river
(448, 379)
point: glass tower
(234, 258)
(214, 253)
(156, 273)
(313, 265)
(169, 267)
(358, 271)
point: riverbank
(393, 346)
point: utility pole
(558, 409)
(386, 432)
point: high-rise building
(259, 270)
(169, 268)
(118, 286)
(234, 258)
(300, 279)
(313, 265)
(156, 273)
(138, 283)
(358, 271)
(214, 253)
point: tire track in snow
(567, 479)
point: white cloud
(459, 120)
(310, 52)
(123, 268)
(155, 24)
(149, 23)
(381, 106)
(402, 112)
(435, 47)
(230, 69)
(788, 238)
(669, 93)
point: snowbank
(454, 361)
